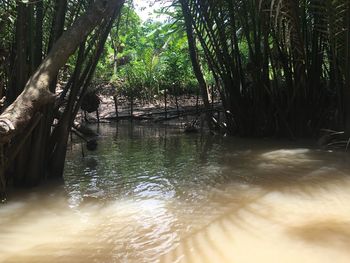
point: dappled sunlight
(95, 231)
(154, 195)
(287, 157)
(267, 230)
(173, 131)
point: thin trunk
(98, 116)
(39, 34)
(115, 99)
(132, 107)
(57, 29)
(197, 103)
(166, 103)
(194, 59)
(19, 68)
(347, 74)
(177, 103)
(57, 22)
(60, 136)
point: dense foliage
(38, 37)
(282, 66)
(144, 58)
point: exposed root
(334, 140)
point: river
(153, 194)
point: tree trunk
(61, 134)
(166, 103)
(57, 22)
(347, 74)
(19, 55)
(39, 33)
(194, 59)
(132, 107)
(176, 102)
(36, 92)
(22, 69)
(115, 99)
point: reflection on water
(152, 194)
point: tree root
(334, 140)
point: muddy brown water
(153, 194)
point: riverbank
(118, 107)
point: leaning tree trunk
(36, 92)
(37, 142)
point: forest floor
(153, 110)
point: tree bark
(194, 59)
(58, 21)
(19, 55)
(79, 87)
(36, 92)
(347, 75)
(39, 8)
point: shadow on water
(294, 171)
(153, 194)
(201, 245)
(328, 233)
